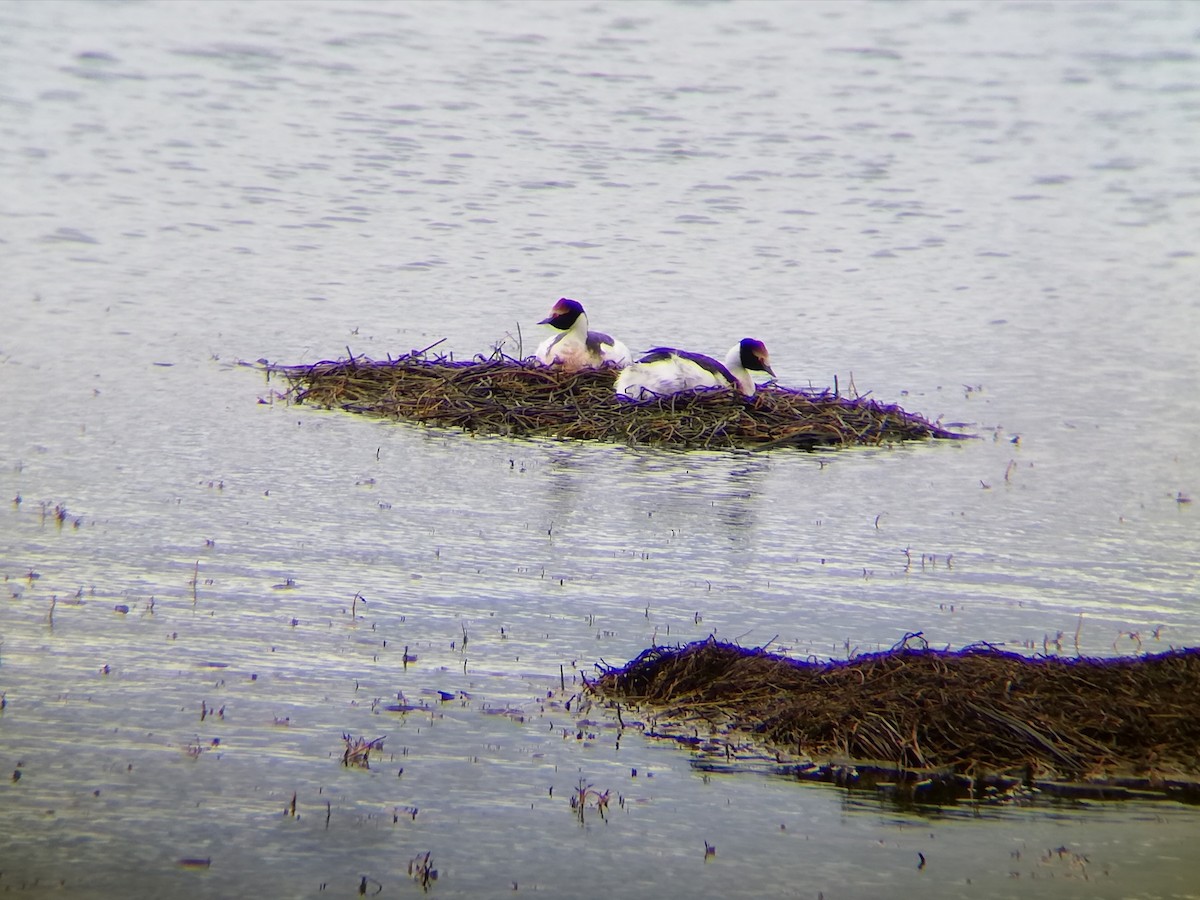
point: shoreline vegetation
(930, 725)
(522, 398)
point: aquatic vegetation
(421, 870)
(501, 395)
(358, 750)
(926, 716)
(586, 794)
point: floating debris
(1122, 726)
(421, 870)
(586, 794)
(515, 398)
(358, 750)
(192, 862)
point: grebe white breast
(665, 370)
(574, 347)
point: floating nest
(946, 722)
(521, 398)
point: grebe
(664, 370)
(574, 347)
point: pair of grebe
(659, 372)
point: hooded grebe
(574, 347)
(664, 371)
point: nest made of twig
(501, 395)
(971, 710)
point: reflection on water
(979, 212)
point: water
(984, 212)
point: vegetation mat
(913, 711)
(501, 395)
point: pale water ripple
(984, 212)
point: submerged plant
(421, 870)
(583, 795)
(358, 750)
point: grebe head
(754, 356)
(563, 314)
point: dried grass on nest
(971, 710)
(501, 395)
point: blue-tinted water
(986, 213)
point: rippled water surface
(985, 212)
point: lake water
(985, 212)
